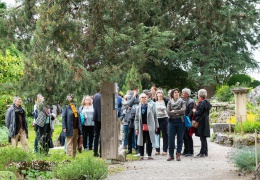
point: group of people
(150, 113)
(144, 115)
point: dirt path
(216, 166)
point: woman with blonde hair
(87, 110)
(39, 99)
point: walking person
(146, 124)
(202, 116)
(176, 108)
(15, 121)
(71, 125)
(161, 112)
(188, 141)
(87, 110)
(97, 122)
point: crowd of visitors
(144, 117)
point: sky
(255, 74)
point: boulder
(222, 127)
(254, 95)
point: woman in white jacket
(146, 125)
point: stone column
(240, 103)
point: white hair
(202, 93)
(142, 94)
(187, 91)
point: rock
(222, 127)
(254, 95)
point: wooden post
(256, 153)
(109, 127)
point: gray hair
(202, 93)
(187, 91)
(142, 94)
(16, 98)
(70, 95)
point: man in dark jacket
(190, 104)
(97, 122)
(15, 120)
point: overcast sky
(255, 74)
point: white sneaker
(137, 154)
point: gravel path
(216, 166)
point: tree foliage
(71, 46)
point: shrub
(85, 168)
(7, 175)
(3, 135)
(249, 126)
(241, 78)
(244, 158)
(224, 93)
(12, 154)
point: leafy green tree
(133, 79)
(241, 78)
(96, 41)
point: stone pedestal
(240, 103)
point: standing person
(190, 104)
(176, 108)
(87, 110)
(202, 115)
(153, 93)
(162, 116)
(149, 97)
(132, 103)
(97, 122)
(125, 117)
(71, 125)
(146, 125)
(15, 121)
(39, 99)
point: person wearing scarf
(202, 115)
(15, 120)
(71, 126)
(176, 109)
(146, 124)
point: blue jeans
(125, 130)
(175, 127)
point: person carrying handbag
(202, 116)
(146, 124)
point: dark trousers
(147, 140)
(188, 142)
(44, 135)
(204, 145)
(88, 136)
(131, 139)
(163, 127)
(175, 127)
(97, 128)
